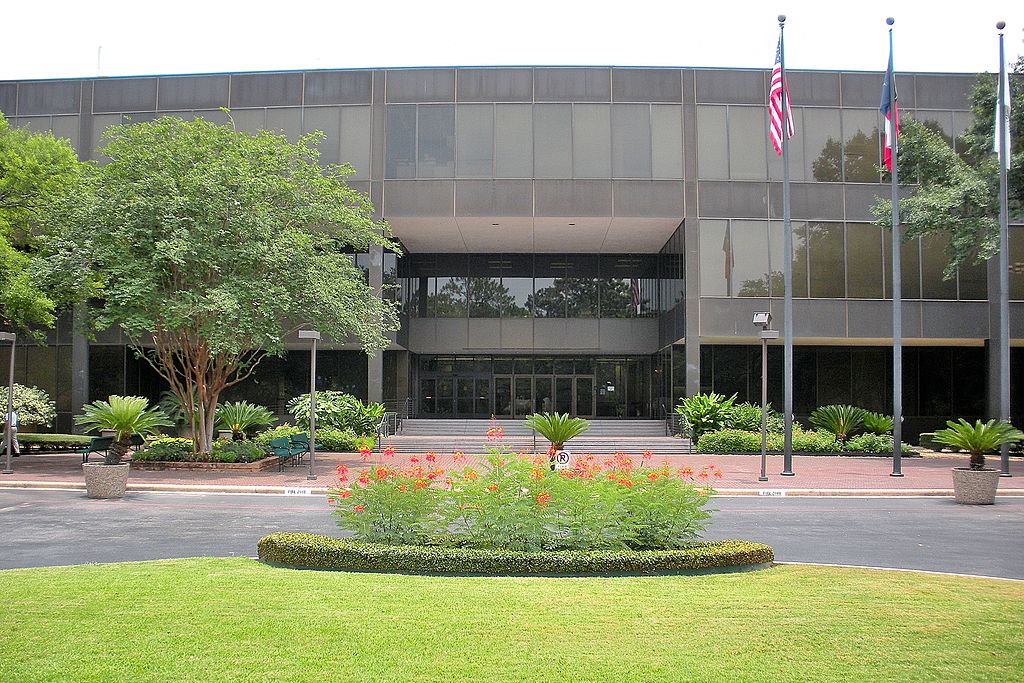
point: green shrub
(242, 417)
(323, 552)
(34, 406)
(877, 423)
(339, 410)
(841, 420)
(747, 417)
(226, 450)
(53, 440)
(167, 450)
(336, 440)
(706, 412)
(736, 441)
(263, 439)
(820, 441)
(875, 443)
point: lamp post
(764, 320)
(11, 337)
(314, 336)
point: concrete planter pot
(975, 487)
(105, 481)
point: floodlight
(762, 318)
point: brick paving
(817, 474)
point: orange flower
(536, 474)
(686, 472)
(342, 470)
(458, 456)
(543, 498)
(471, 475)
(414, 459)
(495, 433)
(652, 476)
(358, 508)
(364, 480)
(711, 467)
(345, 494)
(647, 455)
(365, 453)
(626, 482)
(419, 484)
(718, 473)
(492, 488)
(403, 488)
(389, 452)
(703, 474)
(381, 473)
(430, 456)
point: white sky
(60, 38)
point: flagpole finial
(1000, 25)
(890, 21)
(782, 18)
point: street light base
(762, 478)
(895, 474)
(311, 477)
(1001, 474)
(787, 474)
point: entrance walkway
(817, 475)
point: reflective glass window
(513, 136)
(666, 141)
(591, 141)
(800, 259)
(475, 141)
(910, 262)
(400, 160)
(552, 141)
(747, 131)
(864, 261)
(447, 297)
(860, 145)
(749, 241)
(631, 141)
(712, 143)
(1016, 260)
(822, 140)
(715, 258)
(355, 140)
(487, 297)
(436, 141)
(933, 262)
(519, 290)
(972, 278)
(827, 260)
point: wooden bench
(98, 445)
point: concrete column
(375, 363)
(691, 235)
(79, 363)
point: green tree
(958, 191)
(209, 246)
(35, 170)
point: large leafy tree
(208, 246)
(36, 169)
(958, 192)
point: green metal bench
(97, 444)
(284, 449)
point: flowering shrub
(516, 502)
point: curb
(318, 489)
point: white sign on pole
(562, 460)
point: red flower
(365, 453)
(718, 473)
(543, 498)
(686, 472)
(389, 452)
(358, 508)
(430, 456)
(703, 474)
(647, 455)
(342, 470)
(403, 488)
(381, 473)
(345, 494)
(458, 456)
(471, 475)
(492, 488)
(364, 480)
(414, 459)
(626, 482)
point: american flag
(775, 103)
(890, 116)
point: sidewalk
(814, 475)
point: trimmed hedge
(53, 440)
(738, 441)
(313, 551)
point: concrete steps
(470, 436)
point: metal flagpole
(1003, 131)
(897, 276)
(787, 273)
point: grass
(235, 619)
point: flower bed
(312, 551)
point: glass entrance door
(503, 396)
(563, 395)
(584, 396)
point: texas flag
(892, 116)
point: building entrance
(521, 395)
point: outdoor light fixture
(11, 337)
(764, 320)
(314, 336)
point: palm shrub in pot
(976, 485)
(125, 416)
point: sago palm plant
(979, 438)
(242, 417)
(842, 421)
(877, 423)
(125, 415)
(557, 428)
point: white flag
(1006, 119)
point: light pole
(764, 320)
(11, 337)
(314, 336)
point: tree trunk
(118, 450)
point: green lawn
(237, 620)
